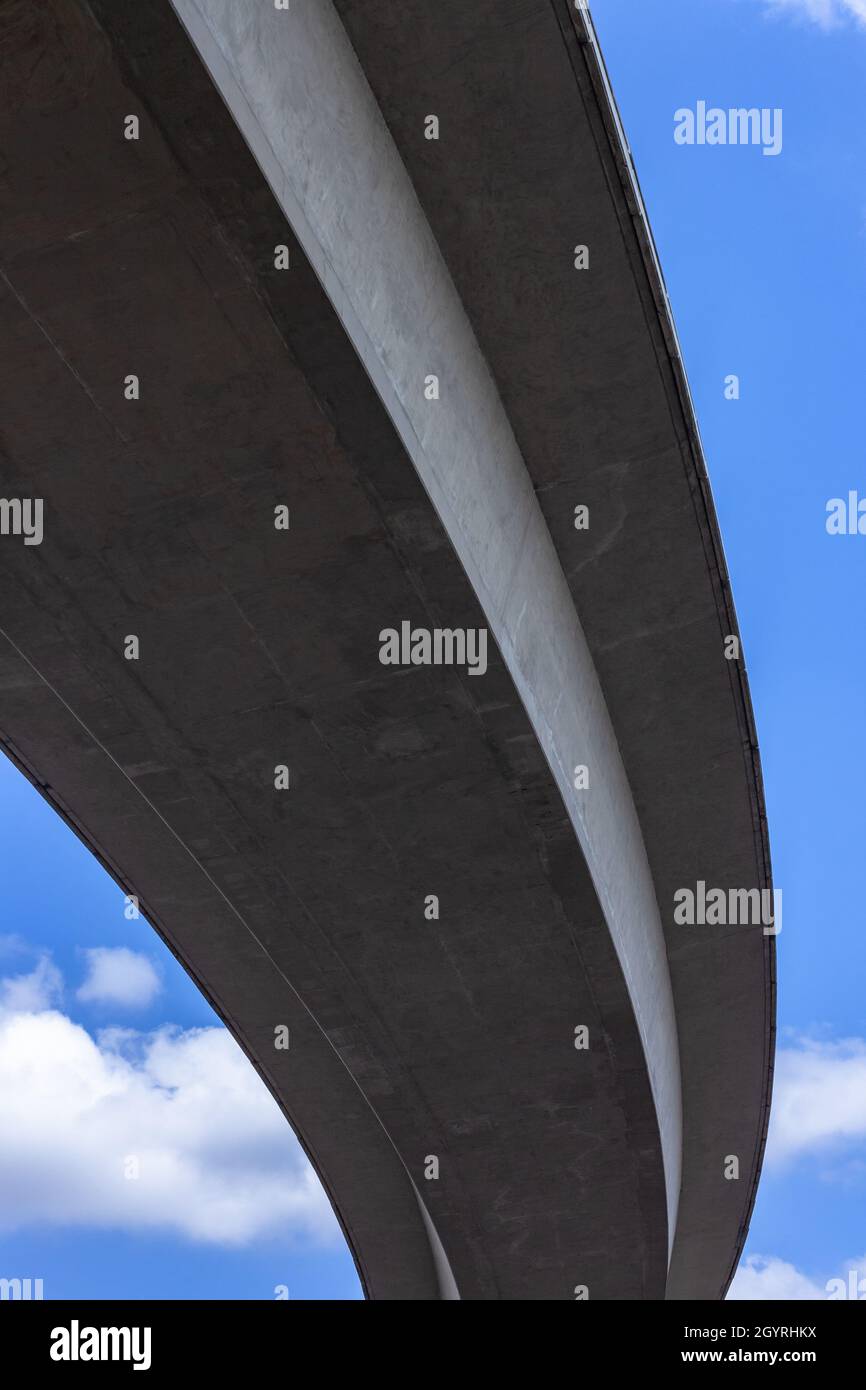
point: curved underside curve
(414, 1037)
(411, 1037)
(302, 102)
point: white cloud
(819, 1108)
(819, 1098)
(32, 992)
(826, 13)
(217, 1160)
(767, 1277)
(116, 975)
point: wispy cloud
(819, 1098)
(828, 14)
(38, 989)
(165, 1130)
(116, 975)
(767, 1277)
(11, 944)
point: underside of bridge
(301, 380)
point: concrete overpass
(171, 378)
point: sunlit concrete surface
(412, 1038)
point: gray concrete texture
(305, 387)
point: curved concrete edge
(448, 1291)
(418, 1268)
(630, 183)
(299, 96)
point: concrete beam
(410, 1038)
(299, 95)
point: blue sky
(765, 261)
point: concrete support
(299, 96)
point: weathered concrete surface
(529, 164)
(301, 99)
(409, 1037)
